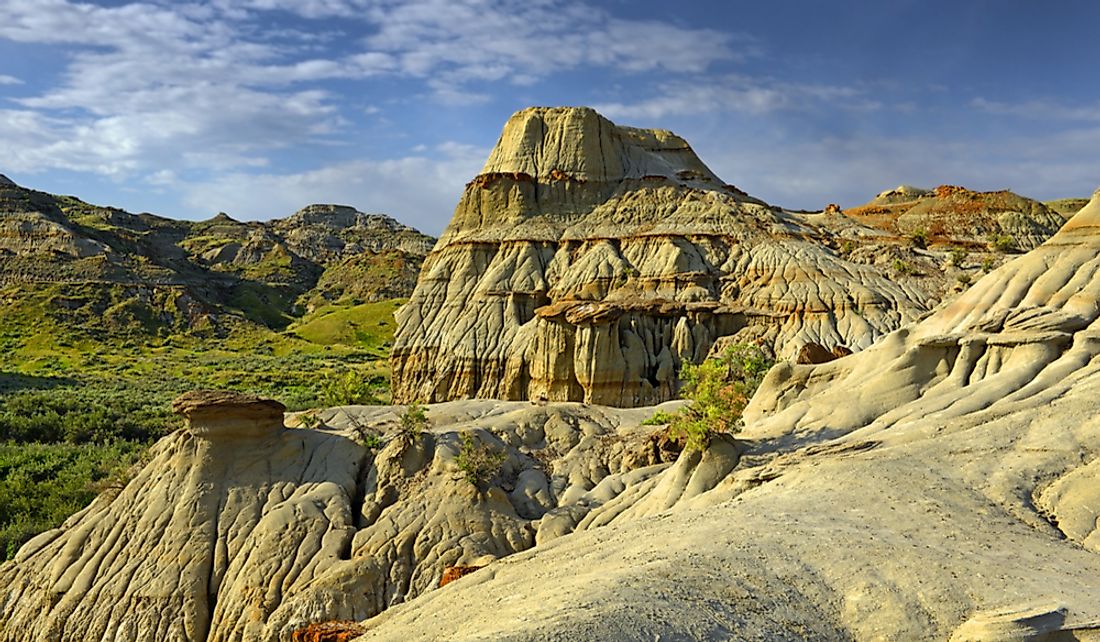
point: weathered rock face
(235, 505)
(957, 215)
(940, 485)
(589, 261)
(240, 529)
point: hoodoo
(589, 261)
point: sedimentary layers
(940, 485)
(589, 261)
(238, 528)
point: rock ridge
(588, 262)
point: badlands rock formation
(159, 274)
(960, 216)
(589, 261)
(241, 529)
(940, 485)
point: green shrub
(719, 389)
(412, 422)
(42, 484)
(659, 418)
(903, 268)
(963, 279)
(919, 239)
(957, 256)
(372, 441)
(479, 463)
(1002, 243)
(987, 264)
(348, 387)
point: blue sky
(258, 107)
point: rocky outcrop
(590, 261)
(239, 528)
(954, 215)
(226, 273)
(938, 485)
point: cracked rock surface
(239, 528)
(938, 485)
(589, 261)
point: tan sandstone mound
(589, 261)
(956, 215)
(239, 528)
(939, 485)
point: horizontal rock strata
(589, 262)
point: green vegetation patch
(42, 484)
(368, 325)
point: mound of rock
(239, 528)
(939, 485)
(589, 261)
(955, 215)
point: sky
(259, 107)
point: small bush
(919, 239)
(987, 264)
(1002, 243)
(963, 279)
(847, 247)
(479, 463)
(903, 268)
(659, 418)
(957, 257)
(719, 390)
(346, 388)
(413, 422)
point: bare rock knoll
(588, 261)
(962, 216)
(238, 528)
(940, 485)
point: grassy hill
(106, 316)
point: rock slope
(957, 215)
(588, 261)
(939, 485)
(241, 529)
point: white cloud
(186, 85)
(456, 42)
(9, 80)
(851, 170)
(1040, 109)
(735, 93)
(420, 190)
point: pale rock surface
(939, 485)
(588, 262)
(241, 529)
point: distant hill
(956, 215)
(105, 270)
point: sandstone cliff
(939, 485)
(589, 261)
(238, 528)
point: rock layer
(589, 261)
(241, 529)
(939, 485)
